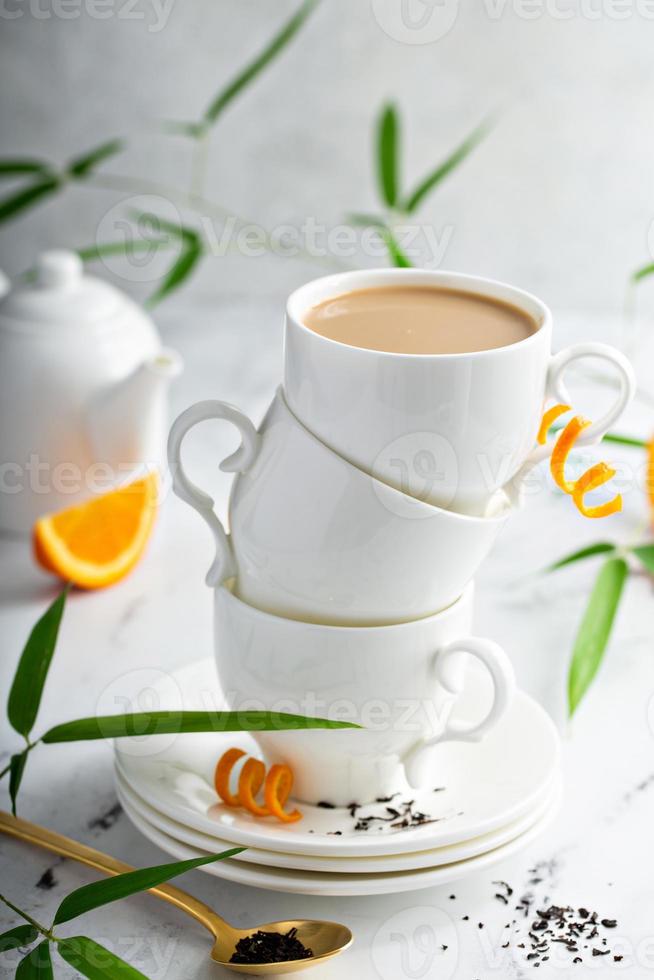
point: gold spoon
(325, 939)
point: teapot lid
(60, 291)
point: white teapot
(83, 385)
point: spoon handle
(51, 841)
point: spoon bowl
(324, 939)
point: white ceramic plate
(480, 787)
(385, 863)
(332, 883)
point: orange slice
(97, 543)
(649, 475)
(595, 477)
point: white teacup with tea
(432, 381)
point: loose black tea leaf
(270, 947)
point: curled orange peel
(562, 449)
(595, 477)
(277, 785)
(550, 416)
(250, 782)
(223, 771)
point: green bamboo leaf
(16, 770)
(249, 73)
(17, 937)
(109, 890)
(365, 220)
(32, 671)
(189, 256)
(178, 722)
(445, 168)
(645, 552)
(96, 962)
(28, 196)
(193, 129)
(83, 165)
(594, 549)
(624, 440)
(16, 168)
(643, 272)
(388, 155)
(397, 256)
(92, 253)
(595, 629)
(37, 965)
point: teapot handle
(223, 566)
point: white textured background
(559, 198)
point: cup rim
(226, 589)
(340, 283)
(455, 515)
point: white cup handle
(556, 389)
(223, 566)
(502, 676)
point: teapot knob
(58, 269)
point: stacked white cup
(363, 507)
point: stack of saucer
(491, 800)
(363, 507)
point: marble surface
(596, 854)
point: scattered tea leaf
(645, 552)
(17, 937)
(445, 168)
(602, 547)
(83, 165)
(27, 197)
(250, 72)
(177, 722)
(29, 680)
(595, 629)
(109, 890)
(388, 155)
(37, 965)
(96, 962)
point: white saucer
(386, 863)
(478, 789)
(332, 883)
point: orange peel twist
(594, 477)
(277, 785)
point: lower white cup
(315, 538)
(398, 682)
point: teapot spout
(128, 421)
